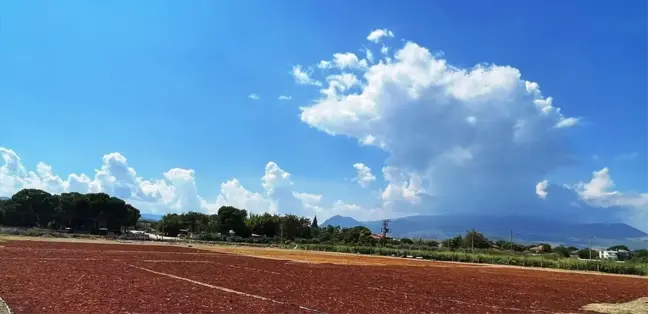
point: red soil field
(54, 277)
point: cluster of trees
(84, 212)
(472, 239)
(286, 227)
(231, 219)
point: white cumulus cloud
(600, 191)
(459, 139)
(174, 191)
(364, 177)
(302, 77)
(541, 189)
(253, 96)
(376, 35)
(283, 97)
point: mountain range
(523, 229)
(151, 217)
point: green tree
(453, 243)
(432, 243)
(585, 254)
(642, 253)
(562, 251)
(232, 218)
(476, 240)
(212, 225)
(329, 234)
(195, 221)
(266, 224)
(358, 235)
(406, 241)
(314, 224)
(618, 247)
(32, 207)
(170, 224)
(294, 227)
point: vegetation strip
(222, 288)
(628, 268)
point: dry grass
(4, 238)
(327, 257)
(371, 260)
(639, 306)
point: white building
(608, 255)
(613, 255)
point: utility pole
(281, 232)
(472, 243)
(471, 234)
(590, 247)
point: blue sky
(166, 84)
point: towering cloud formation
(460, 139)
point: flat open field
(68, 277)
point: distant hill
(342, 221)
(525, 229)
(152, 217)
(2, 198)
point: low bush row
(545, 261)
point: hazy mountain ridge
(525, 229)
(152, 217)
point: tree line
(91, 211)
(231, 222)
(80, 212)
(230, 219)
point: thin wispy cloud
(626, 156)
(282, 97)
(253, 96)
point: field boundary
(227, 249)
(223, 288)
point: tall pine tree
(314, 224)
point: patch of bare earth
(318, 257)
(59, 278)
(638, 306)
(4, 308)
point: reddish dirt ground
(51, 277)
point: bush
(545, 260)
